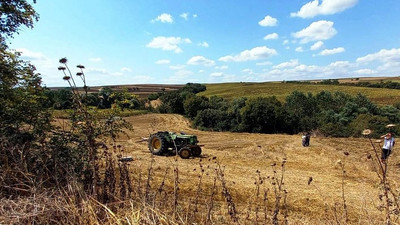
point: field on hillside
(317, 185)
(280, 90)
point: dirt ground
(245, 155)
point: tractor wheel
(196, 151)
(184, 153)
(157, 144)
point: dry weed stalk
(228, 197)
(259, 181)
(148, 181)
(199, 190)
(278, 184)
(265, 209)
(176, 189)
(160, 189)
(391, 203)
(256, 200)
(109, 183)
(211, 202)
(346, 217)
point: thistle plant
(390, 199)
(90, 135)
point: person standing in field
(388, 143)
(305, 139)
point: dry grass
(243, 154)
(240, 178)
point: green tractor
(165, 142)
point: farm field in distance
(243, 156)
(141, 90)
(380, 96)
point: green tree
(14, 14)
(260, 115)
(105, 98)
(368, 121)
(24, 122)
(194, 104)
(194, 88)
(234, 114)
(62, 99)
(172, 102)
(213, 119)
(125, 100)
(299, 111)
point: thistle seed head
(63, 60)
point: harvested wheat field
(329, 182)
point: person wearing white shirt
(388, 143)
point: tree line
(334, 114)
(105, 98)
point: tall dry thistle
(390, 199)
(227, 195)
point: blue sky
(213, 41)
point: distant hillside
(380, 96)
(279, 89)
(141, 90)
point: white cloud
(268, 21)
(204, 44)
(317, 31)
(317, 45)
(340, 64)
(44, 65)
(142, 79)
(271, 36)
(365, 71)
(266, 63)
(177, 67)
(168, 43)
(164, 18)
(327, 7)
(256, 53)
(194, 15)
(117, 74)
(291, 63)
(216, 74)
(332, 51)
(180, 75)
(200, 60)
(97, 70)
(221, 67)
(285, 42)
(29, 55)
(163, 61)
(384, 55)
(126, 69)
(248, 71)
(183, 74)
(95, 59)
(389, 59)
(184, 16)
(299, 49)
